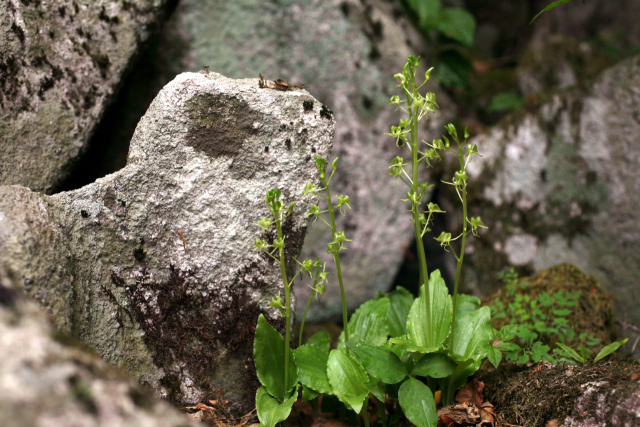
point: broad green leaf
(321, 340)
(607, 350)
(494, 356)
(368, 324)
(380, 362)
(549, 7)
(403, 344)
(430, 339)
(457, 24)
(435, 365)
(452, 69)
(540, 352)
(466, 304)
(508, 332)
(400, 301)
(347, 379)
(308, 394)
(268, 350)
(312, 367)
(270, 411)
(376, 387)
(417, 403)
(472, 335)
(427, 11)
(450, 385)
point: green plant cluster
(398, 346)
(409, 349)
(540, 326)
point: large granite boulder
(348, 52)
(153, 266)
(46, 379)
(60, 66)
(559, 183)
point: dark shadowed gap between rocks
(157, 63)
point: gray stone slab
(60, 66)
(152, 266)
(48, 379)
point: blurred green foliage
(451, 30)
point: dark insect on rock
(326, 112)
(307, 105)
(84, 213)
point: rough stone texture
(592, 395)
(60, 64)
(559, 183)
(556, 61)
(348, 52)
(48, 380)
(108, 260)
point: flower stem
(464, 238)
(304, 316)
(287, 305)
(336, 258)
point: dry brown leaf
(471, 392)
(635, 376)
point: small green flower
(265, 223)
(334, 164)
(475, 224)
(460, 178)
(395, 169)
(321, 165)
(259, 245)
(309, 188)
(276, 302)
(444, 239)
(340, 237)
(314, 210)
(342, 201)
(434, 208)
(308, 264)
(278, 243)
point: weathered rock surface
(152, 266)
(60, 66)
(559, 183)
(47, 381)
(348, 52)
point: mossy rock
(593, 313)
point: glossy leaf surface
(417, 403)
(268, 350)
(400, 301)
(312, 367)
(435, 365)
(347, 379)
(423, 338)
(380, 362)
(270, 411)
